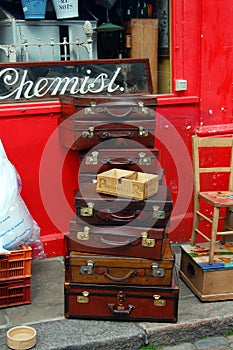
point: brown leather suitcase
(119, 121)
(104, 269)
(124, 241)
(100, 209)
(122, 303)
(101, 159)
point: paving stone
(181, 346)
(212, 343)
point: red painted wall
(202, 53)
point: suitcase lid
(149, 100)
(77, 259)
(104, 155)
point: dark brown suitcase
(100, 160)
(100, 209)
(118, 121)
(122, 303)
(124, 241)
(104, 269)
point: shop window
(137, 29)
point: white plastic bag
(16, 223)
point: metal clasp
(158, 214)
(83, 235)
(147, 242)
(91, 109)
(87, 211)
(88, 134)
(83, 299)
(158, 301)
(93, 159)
(88, 269)
(157, 271)
(143, 160)
(144, 110)
(142, 132)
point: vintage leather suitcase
(209, 282)
(104, 269)
(122, 303)
(101, 159)
(120, 121)
(100, 209)
(124, 241)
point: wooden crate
(208, 282)
(127, 184)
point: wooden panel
(144, 44)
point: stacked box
(15, 277)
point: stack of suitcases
(119, 264)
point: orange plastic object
(17, 264)
(15, 292)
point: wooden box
(127, 184)
(122, 303)
(209, 282)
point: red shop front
(202, 53)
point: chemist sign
(25, 81)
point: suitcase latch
(144, 109)
(158, 301)
(88, 269)
(83, 235)
(88, 134)
(87, 211)
(91, 109)
(142, 132)
(93, 159)
(147, 242)
(159, 214)
(143, 160)
(157, 271)
(83, 299)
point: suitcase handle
(115, 243)
(107, 111)
(119, 161)
(104, 271)
(108, 216)
(121, 312)
(108, 135)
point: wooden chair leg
(195, 221)
(195, 226)
(228, 223)
(213, 234)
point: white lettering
(21, 87)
